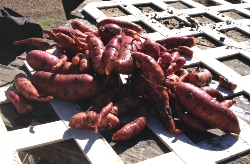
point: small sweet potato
(21, 104)
(27, 89)
(225, 83)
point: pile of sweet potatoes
(88, 64)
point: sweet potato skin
(27, 89)
(21, 104)
(133, 128)
(66, 87)
(202, 105)
(41, 60)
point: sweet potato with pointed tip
(188, 41)
(202, 105)
(27, 89)
(133, 128)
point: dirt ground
(237, 62)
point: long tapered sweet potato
(133, 128)
(27, 89)
(199, 103)
(66, 87)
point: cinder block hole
(115, 11)
(88, 17)
(205, 42)
(236, 34)
(242, 156)
(192, 67)
(207, 2)
(173, 23)
(235, 1)
(234, 14)
(146, 28)
(205, 18)
(145, 145)
(55, 153)
(42, 113)
(243, 101)
(238, 63)
(179, 5)
(148, 8)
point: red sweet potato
(214, 93)
(151, 48)
(189, 119)
(66, 87)
(176, 65)
(111, 53)
(21, 104)
(178, 41)
(185, 50)
(96, 50)
(38, 43)
(88, 119)
(41, 60)
(108, 31)
(225, 83)
(27, 89)
(202, 105)
(199, 77)
(133, 128)
(125, 64)
(104, 112)
(123, 106)
(122, 24)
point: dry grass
(47, 13)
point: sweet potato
(81, 26)
(96, 50)
(225, 83)
(104, 112)
(123, 106)
(111, 53)
(125, 64)
(139, 83)
(199, 77)
(176, 65)
(228, 103)
(66, 68)
(66, 87)
(70, 32)
(41, 60)
(190, 120)
(165, 59)
(153, 73)
(27, 89)
(214, 93)
(88, 120)
(122, 24)
(133, 128)
(178, 41)
(202, 105)
(185, 50)
(151, 48)
(102, 99)
(108, 31)
(21, 104)
(38, 43)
